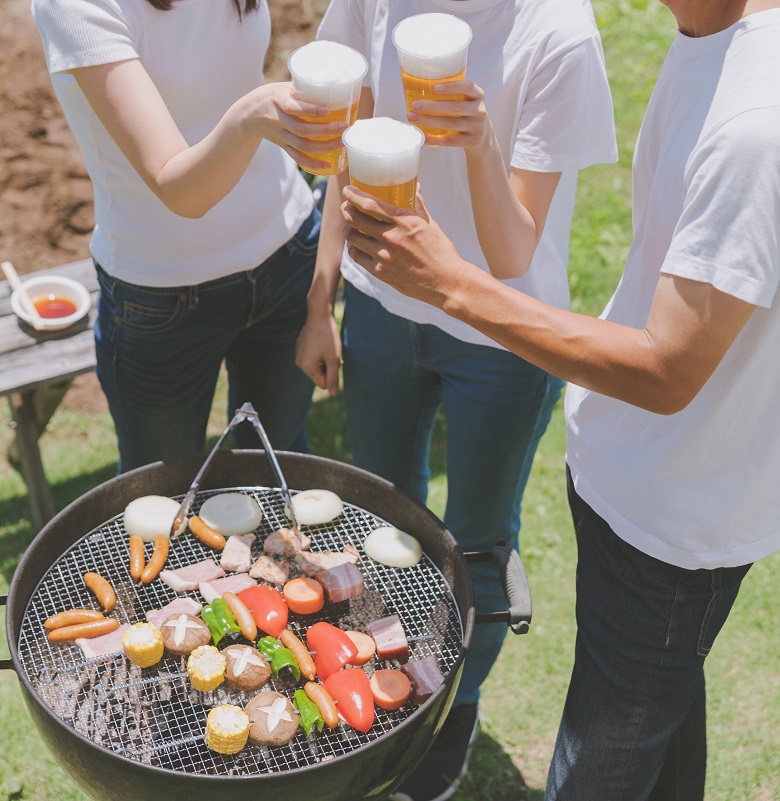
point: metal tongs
(246, 412)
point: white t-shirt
(700, 488)
(541, 67)
(201, 58)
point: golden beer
(399, 195)
(384, 158)
(422, 89)
(338, 156)
(432, 48)
(330, 74)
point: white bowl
(41, 286)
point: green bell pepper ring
(309, 714)
(279, 656)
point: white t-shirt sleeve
(83, 33)
(728, 234)
(567, 122)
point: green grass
(524, 694)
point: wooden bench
(36, 369)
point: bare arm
(660, 368)
(191, 179)
(509, 210)
(318, 351)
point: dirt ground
(46, 212)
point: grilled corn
(143, 644)
(206, 668)
(227, 729)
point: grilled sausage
(300, 652)
(137, 557)
(157, 560)
(95, 628)
(242, 615)
(71, 617)
(320, 697)
(104, 592)
(206, 534)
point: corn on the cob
(227, 729)
(143, 644)
(206, 668)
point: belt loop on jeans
(191, 297)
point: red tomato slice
(351, 691)
(331, 648)
(268, 608)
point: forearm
(611, 359)
(322, 294)
(506, 230)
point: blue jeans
(159, 352)
(634, 722)
(397, 375)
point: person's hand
(318, 350)
(273, 112)
(407, 250)
(468, 118)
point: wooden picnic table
(36, 369)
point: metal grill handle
(5, 664)
(514, 581)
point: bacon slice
(187, 578)
(237, 553)
(341, 582)
(178, 606)
(235, 584)
(104, 645)
(425, 676)
(266, 568)
(390, 638)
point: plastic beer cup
(330, 74)
(384, 159)
(432, 48)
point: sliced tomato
(351, 691)
(331, 647)
(268, 608)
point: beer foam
(382, 151)
(327, 72)
(433, 45)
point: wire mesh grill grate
(153, 715)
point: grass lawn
(525, 692)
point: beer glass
(330, 74)
(384, 157)
(432, 48)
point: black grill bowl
(369, 772)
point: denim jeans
(159, 352)
(397, 375)
(634, 723)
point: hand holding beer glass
(384, 158)
(330, 74)
(432, 49)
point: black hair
(249, 5)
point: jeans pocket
(150, 311)
(304, 242)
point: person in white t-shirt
(538, 109)
(673, 442)
(205, 231)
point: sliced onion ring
(151, 515)
(390, 546)
(231, 513)
(315, 507)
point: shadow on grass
(493, 776)
(15, 513)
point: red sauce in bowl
(52, 306)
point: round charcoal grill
(124, 733)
